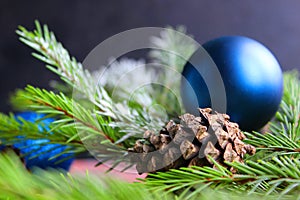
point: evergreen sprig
(13, 126)
(18, 183)
(130, 117)
(66, 109)
(16, 129)
(94, 114)
(74, 125)
(279, 177)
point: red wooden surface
(80, 166)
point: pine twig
(58, 60)
(53, 184)
(279, 177)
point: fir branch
(95, 113)
(272, 143)
(279, 177)
(56, 57)
(10, 127)
(58, 104)
(85, 125)
(58, 60)
(15, 129)
(18, 183)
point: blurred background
(81, 25)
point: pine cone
(190, 143)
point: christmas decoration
(192, 142)
(220, 169)
(252, 78)
(37, 153)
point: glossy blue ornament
(251, 75)
(31, 148)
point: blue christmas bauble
(251, 75)
(38, 154)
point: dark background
(81, 25)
